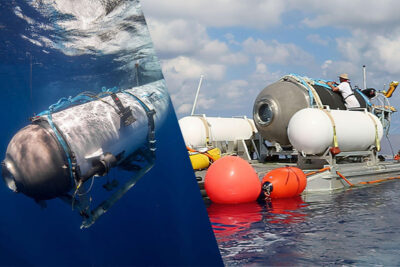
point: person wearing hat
(346, 91)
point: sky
(242, 46)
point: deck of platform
(355, 173)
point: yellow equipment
(202, 160)
(390, 108)
(199, 161)
(392, 87)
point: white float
(310, 130)
(197, 131)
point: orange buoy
(284, 182)
(232, 180)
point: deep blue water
(162, 220)
(355, 227)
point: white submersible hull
(64, 147)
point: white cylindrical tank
(310, 130)
(198, 130)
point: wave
(92, 27)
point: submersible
(82, 137)
(278, 102)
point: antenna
(364, 78)
(197, 95)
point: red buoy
(232, 180)
(284, 182)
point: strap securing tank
(336, 149)
(377, 142)
(307, 84)
(150, 118)
(124, 112)
(207, 127)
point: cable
(90, 188)
(390, 144)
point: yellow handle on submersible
(377, 142)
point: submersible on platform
(63, 148)
(277, 103)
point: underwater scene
(94, 165)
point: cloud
(233, 90)
(274, 52)
(218, 51)
(332, 69)
(343, 13)
(184, 109)
(369, 33)
(188, 38)
(388, 52)
(231, 39)
(187, 51)
(236, 97)
(317, 39)
(325, 66)
(189, 68)
(372, 37)
(380, 53)
(183, 101)
(182, 75)
(262, 76)
(177, 37)
(219, 13)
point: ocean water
(354, 227)
(53, 49)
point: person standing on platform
(345, 89)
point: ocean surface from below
(358, 226)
